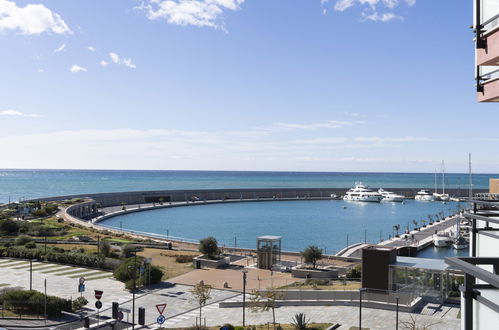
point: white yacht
(389, 196)
(362, 193)
(424, 195)
(442, 239)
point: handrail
(490, 20)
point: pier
(415, 239)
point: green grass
(3, 284)
(45, 266)
(16, 263)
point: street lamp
(397, 313)
(133, 289)
(31, 274)
(245, 272)
(360, 307)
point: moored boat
(362, 193)
(425, 196)
(389, 196)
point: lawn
(165, 259)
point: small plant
(22, 240)
(396, 228)
(79, 302)
(30, 245)
(300, 321)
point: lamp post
(31, 274)
(245, 272)
(360, 307)
(133, 289)
(397, 313)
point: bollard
(142, 316)
(116, 305)
(86, 322)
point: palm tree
(415, 222)
(396, 228)
(423, 222)
(430, 217)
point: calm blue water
(300, 223)
(44, 183)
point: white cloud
(60, 48)
(17, 114)
(32, 19)
(123, 61)
(90, 48)
(41, 70)
(190, 12)
(76, 68)
(104, 63)
(312, 126)
(386, 17)
(371, 8)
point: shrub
(105, 248)
(209, 246)
(22, 240)
(39, 213)
(127, 251)
(182, 259)
(125, 273)
(9, 227)
(355, 272)
(228, 326)
(300, 321)
(79, 302)
(30, 245)
(33, 302)
(24, 253)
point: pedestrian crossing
(55, 269)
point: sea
(331, 225)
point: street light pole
(133, 293)
(244, 296)
(397, 314)
(30, 275)
(360, 308)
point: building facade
(480, 291)
(486, 29)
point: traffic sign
(82, 280)
(161, 308)
(120, 316)
(98, 304)
(98, 294)
(81, 287)
(161, 319)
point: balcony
(487, 83)
(486, 29)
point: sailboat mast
(470, 179)
(443, 177)
(436, 190)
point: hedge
(27, 301)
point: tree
(430, 217)
(263, 301)
(311, 255)
(105, 248)
(209, 246)
(8, 227)
(423, 222)
(201, 293)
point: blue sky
(301, 85)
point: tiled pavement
(182, 310)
